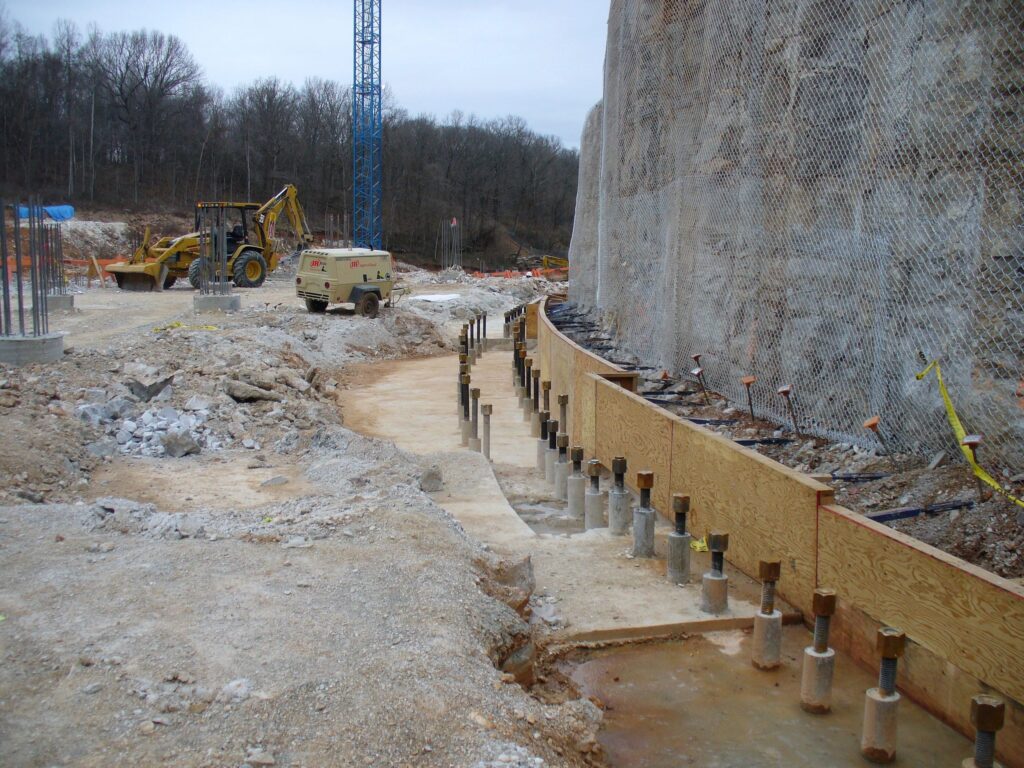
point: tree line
(127, 119)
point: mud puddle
(699, 701)
(551, 517)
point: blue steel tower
(367, 127)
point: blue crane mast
(367, 127)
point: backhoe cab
(251, 228)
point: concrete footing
(714, 593)
(576, 490)
(22, 350)
(467, 432)
(816, 681)
(60, 302)
(678, 558)
(643, 532)
(475, 444)
(766, 646)
(878, 738)
(593, 510)
(217, 302)
(620, 512)
(542, 457)
(562, 479)
(549, 464)
(535, 424)
(528, 414)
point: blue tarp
(55, 212)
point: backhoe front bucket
(139, 277)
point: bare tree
(126, 117)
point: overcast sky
(539, 59)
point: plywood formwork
(626, 425)
(934, 683)
(532, 310)
(961, 613)
(566, 365)
(965, 626)
(769, 510)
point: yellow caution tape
(177, 324)
(960, 432)
(700, 545)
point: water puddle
(550, 517)
(700, 702)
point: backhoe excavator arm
(287, 200)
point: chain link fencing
(822, 193)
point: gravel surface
(286, 593)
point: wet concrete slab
(700, 702)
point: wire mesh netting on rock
(821, 193)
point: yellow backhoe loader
(155, 266)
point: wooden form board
(531, 319)
(962, 614)
(582, 399)
(626, 425)
(566, 364)
(965, 625)
(768, 509)
(543, 352)
(629, 380)
(928, 679)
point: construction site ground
(325, 576)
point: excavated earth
(201, 566)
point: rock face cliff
(826, 193)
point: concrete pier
(715, 593)
(576, 484)
(22, 350)
(60, 302)
(552, 452)
(816, 680)
(879, 735)
(561, 469)
(620, 511)
(487, 411)
(766, 644)
(217, 302)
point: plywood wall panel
(626, 425)
(969, 617)
(768, 510)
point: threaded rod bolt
(887, 677)
(821, 627)
(768, 598)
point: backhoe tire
(194, 272)
(170, 281)
(249, 269)
(316, 306)
(369, 304)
